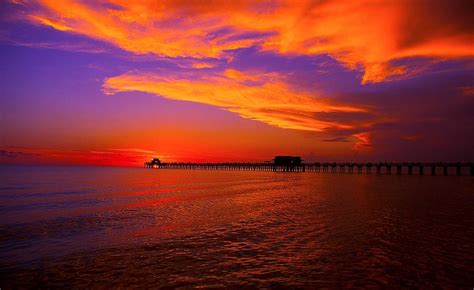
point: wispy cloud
(337, 139)
(15, 154)
(117, 156)
(363, 141)
(66, 46)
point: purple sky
(209, 82)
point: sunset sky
(118, 82)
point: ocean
(89, 227)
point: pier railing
(409, 168)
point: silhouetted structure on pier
(291, 163)
(287, 163)
(287, 160)
(155, 162)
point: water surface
(134, 227)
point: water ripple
(146, 228)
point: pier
(403, 168)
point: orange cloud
(56, 25)
(363, 141)
(365, 34)
(200, 65)
(267, 98)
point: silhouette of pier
(294, 164)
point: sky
(117, 82)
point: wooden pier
(405, 168)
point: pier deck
(408, 168)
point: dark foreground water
(94, 227)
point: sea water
(85, 227)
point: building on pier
(287, 161)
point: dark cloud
(337, 139)
(15, 154)
(428, 19)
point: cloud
(66, 46)
(411, 138)
(468, 91)
(121, 156)
(363, 141)
(14, 154)
(336, 139)
(200, 65)
(264, 97)
(366, 35)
